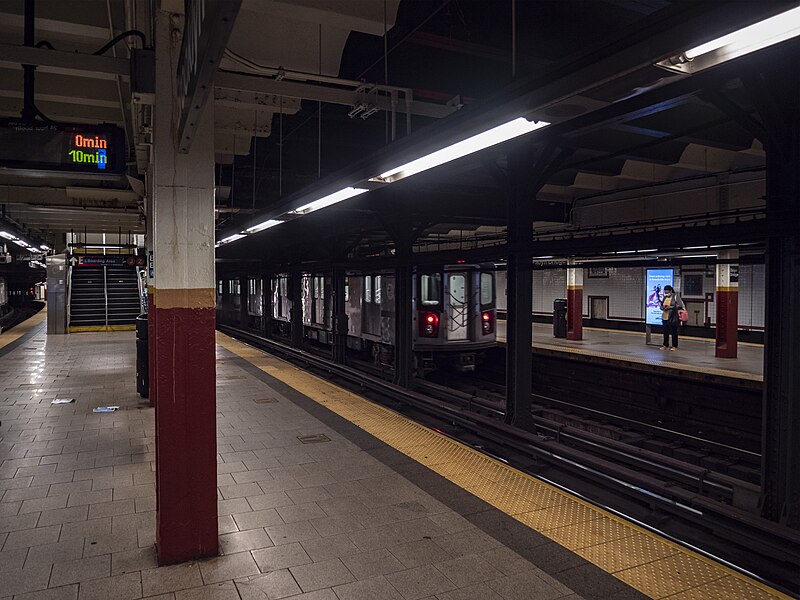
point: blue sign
(656, 281)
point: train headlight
(429, 324)
(487, 322)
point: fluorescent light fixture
(45, 247)
(649, 250)
(263, 226)
(231, 238)
(625, 252)
(7, 235)
(757, 36)
(333, 198)
(694, 248)
(496, 135)
(22, 243)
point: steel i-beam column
(574, 302)
(780, 471)
(403, 317)
(183, 305)
(519, 322)
(727, 304)
(340, 325)
(296, 283)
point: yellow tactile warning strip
(644, 361)
(16, 332)
(645, 561)
(656, 363)
(100, 328)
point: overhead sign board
(109, 260)
(207, 27)
(656, 281)
(60, 147)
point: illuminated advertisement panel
(656, 281)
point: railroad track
(710, 454)
(657, 492)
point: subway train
(453, 312)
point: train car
(453, 314)
(4, 304)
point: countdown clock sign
(96, 149)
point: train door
(457, 307)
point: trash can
(142, 374)
(560, 317)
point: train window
(346, 289)
(234, 287)
(319, 287)
(367, 288)
(219, 287)
(377, 289)
(458, 289)
(430, 289)
(487, 288)
(282, 285)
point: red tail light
(428, 324)
(487, 322)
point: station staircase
(103, 299)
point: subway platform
(322, 495)
(694, 354)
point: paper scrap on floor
(63, 401)
(105, 409)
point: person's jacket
(670, 313)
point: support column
(340, 324)
(574, 302)
(244, 294)
(519, 322)
(403, 316)
(184, 310)
(296, 318)
(777, 93)
(727, 304)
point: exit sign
(60, 147)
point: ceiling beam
(42, 57)
(321, 93)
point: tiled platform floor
(326, 521)
(693, 354)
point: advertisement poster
(656, 280)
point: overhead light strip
(328, 200)
(496, 135)
(752, 38)
(262, 226)
(491, 137)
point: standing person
(670, 305)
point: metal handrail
(69, 294)
(105, 292)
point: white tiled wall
(624, 288)
(547, 286)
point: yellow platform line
(16, 332)
(665, 364)
(653, 565)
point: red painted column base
(151, 348)
(186, 440)
(727, 324)
(575, 314)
